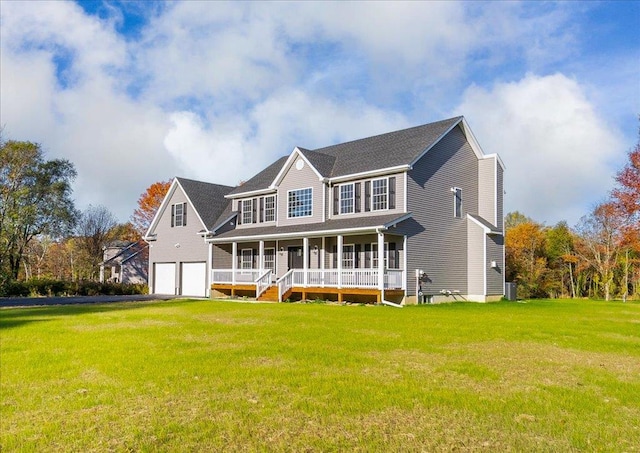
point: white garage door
(194, 279)
(165, 278)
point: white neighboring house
(179, 258)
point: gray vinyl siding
(495, 277)
(299, 179)
(399, 198)
(487, 190)
(476, 264)
(177, 244)
(436, 240)
(222, 256)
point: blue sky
(137, 92)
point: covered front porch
(340, 267)
(360, 284)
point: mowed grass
(224, 376)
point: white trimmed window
(346, 198)
(179, 215)
(300, 203)
(348, 256)
(270, 259)
(270, 208)
(246, 259)
(374, 255)
(379, 194)
(247, 211)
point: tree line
(42, 234)
(597, 258)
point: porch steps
(270, 295)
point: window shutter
(254, 258)
(356, 257)
(254, 208)
(336, 200)
(184, 214)
(239, 216)
(261, 209)
(357, 196)
(335, 256)
(392, 192)
(367, 256)
(393, 257)
(275, 207)
(367, 196)
(173, 215)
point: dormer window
(178, 215)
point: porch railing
(263, 282)
(285, 283)
(350, 278)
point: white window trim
(353, 198)
(353, 264)
(274, 208)
(242, 259)
(300, 216)
(374, 245)
(250, 211)
(183, 208)
(264, 259)
(386, 208)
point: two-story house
(412, 215)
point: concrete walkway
(38, 301)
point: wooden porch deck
(364, 295)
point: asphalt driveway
(36, 301)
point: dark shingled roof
(263, 179)
(386, 150)
(367, 154)
(310, 228)
(208, 199)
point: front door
(296, 258)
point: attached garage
(194, 279)
(164, 278)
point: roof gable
(207, 200)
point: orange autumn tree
(148, 204)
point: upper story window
(457, 202)
(179, 215)
(346, 198)
(300, 203)
(247, 211)
(270, 208)
(379, 194)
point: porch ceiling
(330, 227)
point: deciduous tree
(148, 204)
(35, 198)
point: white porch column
(305, 257)
(209, 267)
(234, 261)
(102, 273)
(381, 261)
(261, 257)
(339, 260)
(322, 254)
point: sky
(138, 92)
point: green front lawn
(207, 375)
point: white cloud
(556, 148)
